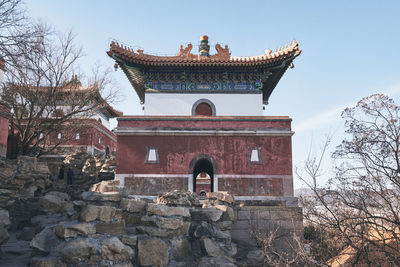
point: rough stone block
(130, 240)
(131, 218)
(76, 250)
(203, 229)
(225, 225)
(155, 231)
(184, 230)
(113, 228)
(152, 252)
(211, 248)
(209, 214)
(180, 198)
(148, 220)
(92, 213)
(170, 223)
(64, 231)
(228, 215)
(50, 203)
(244, 215)
(180, 248)
(98, 196)
(44, 241)
(132, 205)
(113, 249)
(223, 196)
(164, 210)
(223, 236)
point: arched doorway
(203, 176)
(203, 107)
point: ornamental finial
(204, 48)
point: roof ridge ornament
(204, 47)
(222, 53)
(185, 52)
(185, 56)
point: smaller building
(4, 117)
(87, 130)
(92, 133)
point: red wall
(206, 122)
(3, 135)
(89, 136)
(230, 153)
(4, 124)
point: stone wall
(113, 228)
(280, 214)
(106, 229)
(21, 179)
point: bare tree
(361, 203)
(282, 247)
(44, 99)
(16, 29)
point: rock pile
(87, 170)
(106, 229)
(21, 179)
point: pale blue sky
(349, 47)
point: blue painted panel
(166, 86)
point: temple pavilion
(203, 127)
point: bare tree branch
(361, 203)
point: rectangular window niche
(255, 155)
(152, 155)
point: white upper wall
(99, 115)
(178, 104)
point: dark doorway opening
(203, 176)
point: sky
(349, 49)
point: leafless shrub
(361, 203)
(282, 247)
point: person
(70, 175)
(61, 172)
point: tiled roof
(75, 87)
(135, 63)
(185, 57)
